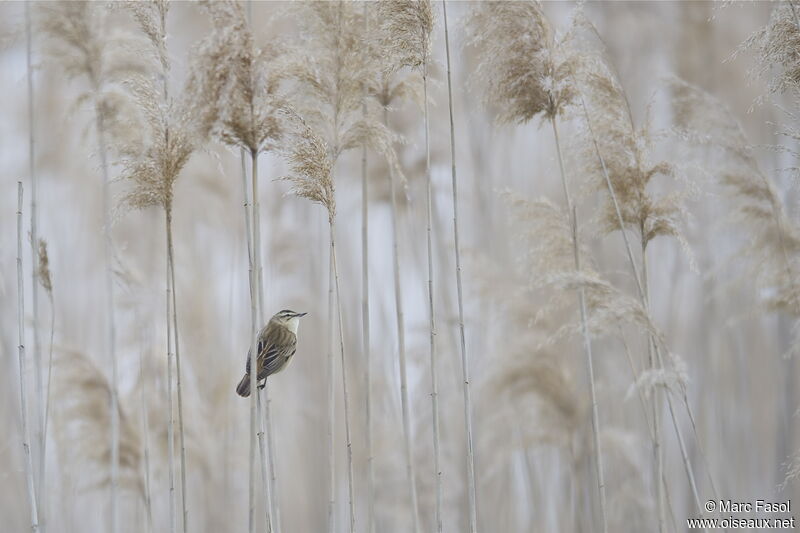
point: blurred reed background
(630, 347)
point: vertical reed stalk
(112, 333)
(253, 420)
(249, 238)
(146, 437)
(585, 332)
(253, 354)
(658, 451)
(365, 329)
(171, 262)
(253, 320)
(173, 316)
(34, 242)
(658, 362)
(366, 339)
(655, 361)
(254, 253)
(331, 404)
(271, 486)
(590, 367)
(348, 439)
(47, 284)
(23, 390)
(49, 367)
(264, 474)
(173, 525)
(432, 315)
(471, 488)
(401, 341)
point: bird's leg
(262, 384)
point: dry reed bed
(475, 370)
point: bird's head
(289, 319)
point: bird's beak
(300, 314)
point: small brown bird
(277, 342)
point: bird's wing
(262, 336)
(273, 356)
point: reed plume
(81, 419)
(236, 82)
(775, 45)
(524, 72)
(627, 154)
(772, 249)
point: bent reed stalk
(655, 357)
(465, 373)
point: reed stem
(653, 348)
(23, 390)
(181, 435)
(146, 447)
(255, 256)
(173, 524)
(585, 331)
(431, 313)
(471, 488)
(365, 324)
(38, 403)
(348, 438)
(331, 402)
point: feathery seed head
(235, 83)
(525, 72)
(154, 164)
(778, 45)
(626, 149)
(151, 17)
(330, 69)
(330, 74)
(772, 246)
(310, 166)
(81, 421)
(405, 32)
(83, 40)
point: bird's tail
(243, 388)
